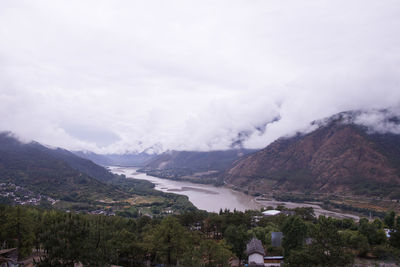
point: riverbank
(212, 198)
(210, 177)
(318, 210)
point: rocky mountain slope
(339, 156)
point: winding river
(212, 198)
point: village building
(273, 261)
(9, 257)
(256, 253)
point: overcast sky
(116, 76)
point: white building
(271, 212)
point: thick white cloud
(112, 76)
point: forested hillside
(31, 173)
(46, 171)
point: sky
(122, 76)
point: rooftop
(255, 246)
(273, 258)
(271, 212)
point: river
(212, 198)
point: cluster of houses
(22, 196)
(103, 212)
(95, 212)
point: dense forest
(193, 238)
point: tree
(3, 222)
(192, 256)
(127, 247)
(264, 233)
(167, 240)
(373, 231)
(306, 213)
(215, 254)
(212, 226)
(326, 248)
(394, 239)
(237, 237)
(64, 238)
(294, 233)
(390, 219)
(18, 227)
(355, 240)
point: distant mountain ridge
(128, 159)
(197, 160)
(339, 156)
(195, 166)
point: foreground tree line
(195, 238)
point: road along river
(212, 198)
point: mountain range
(339, 156)
(196, 166)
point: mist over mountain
(133, 159)
(107, 79)
(346, 153)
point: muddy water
(205, 197)
(212, 199)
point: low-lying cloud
(117, 76)
(383, 121)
